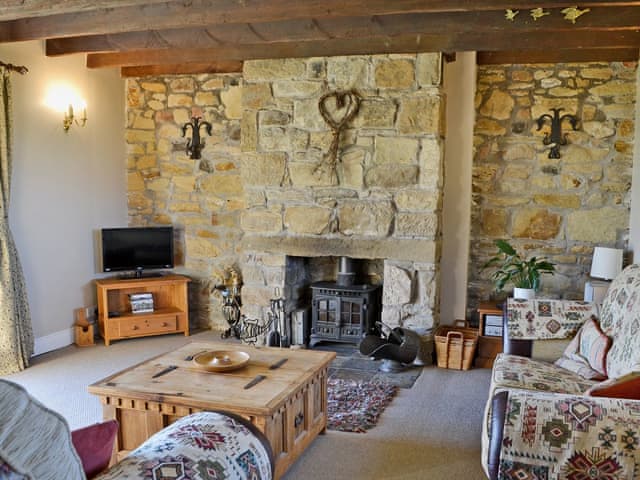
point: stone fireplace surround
(386, 202)
(257, 195)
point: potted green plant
(524, 274)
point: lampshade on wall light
(70, 118)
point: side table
(489, 334)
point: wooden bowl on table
(221, 360)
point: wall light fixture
(70, 118)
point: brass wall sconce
(69, 118)
(194, 145)
(556, 138)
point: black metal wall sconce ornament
(556, 138)
(194, 145)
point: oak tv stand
(170, 308)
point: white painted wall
(634, 222)
(65, 185)
(460, 88)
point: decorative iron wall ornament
(347, 104)
(194, 145)
(556, 138)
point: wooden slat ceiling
(145, 37)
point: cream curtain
(16, 335)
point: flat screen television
(137, 249)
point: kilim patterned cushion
(620, 320)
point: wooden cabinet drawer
(130, 327)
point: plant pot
(524, 293)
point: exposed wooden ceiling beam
(398, 44)
(145, 16)
(12, 9)
(602, 20)
(182, 69)
(524, 57)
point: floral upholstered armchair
(576, 418)
(35, 443)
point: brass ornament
(511, 14)
(572, 13)
(537, 13)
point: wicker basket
(456, 346)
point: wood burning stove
(342, 311)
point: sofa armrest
(565, 436)
(224, 443)
(496, 424)
(94, 445)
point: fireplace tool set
(250, 330)
(278, 336)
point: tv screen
(137, 248)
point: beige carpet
(430, 432)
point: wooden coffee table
(289, 406)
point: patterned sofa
(35, 443)
(543, 421)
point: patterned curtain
(16, 335)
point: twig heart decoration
(347, 104)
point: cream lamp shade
(606, 263)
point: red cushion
(94, 445)
(627, 386)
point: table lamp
(606, 265)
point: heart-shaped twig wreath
(347, 104)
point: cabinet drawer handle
(135, 327)
(298, 420)
(165, 324)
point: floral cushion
(201, 446)
(512, 371)
(620, 320)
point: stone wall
(202, 198)
(384, 201)
(257, 196)
(559, 208)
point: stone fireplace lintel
(399, 249)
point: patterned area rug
(355, 406)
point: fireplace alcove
(341, 297)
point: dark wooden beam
(182, 69)
(541, 41)
(601, 20)
(12, 9)
(144, 16)
(524, 57)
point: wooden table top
(190, 386)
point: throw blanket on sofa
(569, 437)
(547, 319)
